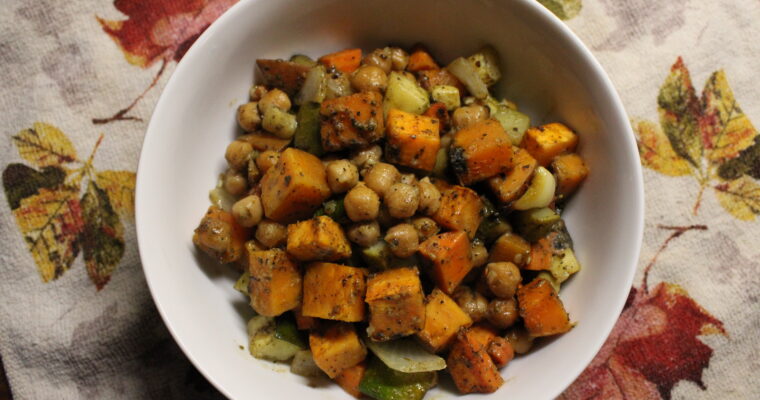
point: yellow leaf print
(740, 197)
(657, 153)
(44, 145)
(120, 187)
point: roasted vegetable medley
(392, 219)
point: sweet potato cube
(344, 61)
(285, 75)
(511, 185)
(459, 210)
(570, 171)
(304, 323)
(439, 112)
(336, 347)
(295, 187)
(412, 140)
(510, 247)
(350, 379)
(334, 291)
(470, 366)
(318, 238)
(262, 141)
(501, 351)
(352, 121)
(449, 254)
(541, 309)
(435, 77)
(480, 151)
(396, 304)
(547, 141)
(275, 282)
(219, 236)
(443, 318)
(421, 60)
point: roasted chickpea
(471, 302)
(237, 154)
(425, 227)
(248, 116)
(248, 211)
(409, 179)
(367, 157)
(502, 279)
(280, 123)
(402, 200)
(380, 58)
(468, 115)
(402, 240)
(478, 253)
(267, 160)
(430, 197)
(274, 98)
(502, 313)
(235, 183)
(270, 233)
(520, 339)
(341, 176)
(364, 234)
(256, 92)
(368, 78)
(381, 177)
(361, 203)
(399, 59)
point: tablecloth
(79, 81)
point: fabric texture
(80, 79)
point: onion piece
(406, 355)
(314, 86)
(540, 192)
(220, 197)
(468, 75)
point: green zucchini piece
(285, 329)
(383, 383)
(241, 285)
(378, 256)
(263, 344)
(307, 136)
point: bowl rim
(618, 115)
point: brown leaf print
(158, 31)
(710, 139)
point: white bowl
(547, 71)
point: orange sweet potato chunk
(275, 282)
(336, 347)
(510, 186)
(570, 171)
(439, 112)
(412, 140)
(470, 365)
(396, 304)
(219, 236)
(421, 60)
(460, 210)
(285, 75)
(541, 309)
(547, 141)
(264, 141)
(295, 187)
(352, 121)
(334, 291)
(350, 379)
(449, 254)
(443, 318)
(345, 60)
(318, 238)
(480, 151)
(436, 77)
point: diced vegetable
(241, 284)
(538, 223)
(285, 75)
(412, 140)
(547, 141)
(285, 329)
(318, 238)
(351, 378)
(404, 94)
(382, 383)
(275, 282)
(486, 62)
(470, 366)
(345, 60)
(570, 171)
(333, 291)
(336, 347)
(438, 111)
(501, 351)
(337, 84)
(335, 209)
(493, 224)
(541, 309)
(303, 364)
(314, 87)
(261, 141)
(448, 95)
(510, 247)
(540, 192)
(307, 136)
(421, 60)
(540, 255)
(480, 151)
(406, 355)
(563, 265)
(302, 59)
(466, 72)
(263, 344)
(435, 77)
(440, 170)
(443, 318)
(449, 254)
(221, 198)
(547, 276)
(514, 183)
(351, 121)
(220, 236)
(295, 187)
(303, 323)
(514, 122)
(378, 256)
(460, 210)
(396, 304)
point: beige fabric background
(66, 339)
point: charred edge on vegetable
(457, 160)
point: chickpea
(471, 302)
(235, 183)
(380, 58)
(267, 160)
(399, 59)
(430, 197)
(425, 227)
(253, 172)
(274, 98)
(520, 339)
(402, 200)
(368, 78)
(402, 240)
(270, 233)
(361, 204)
(409, 179)
(341, 176)
(248, 211)
(502, 279)
(238, 154)
(478, 253)
(248, 116)
(280, 123)
(468, 115)
(256, 92)
(381, 177)
(364, 234)
(502, 313)
(367, 157)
